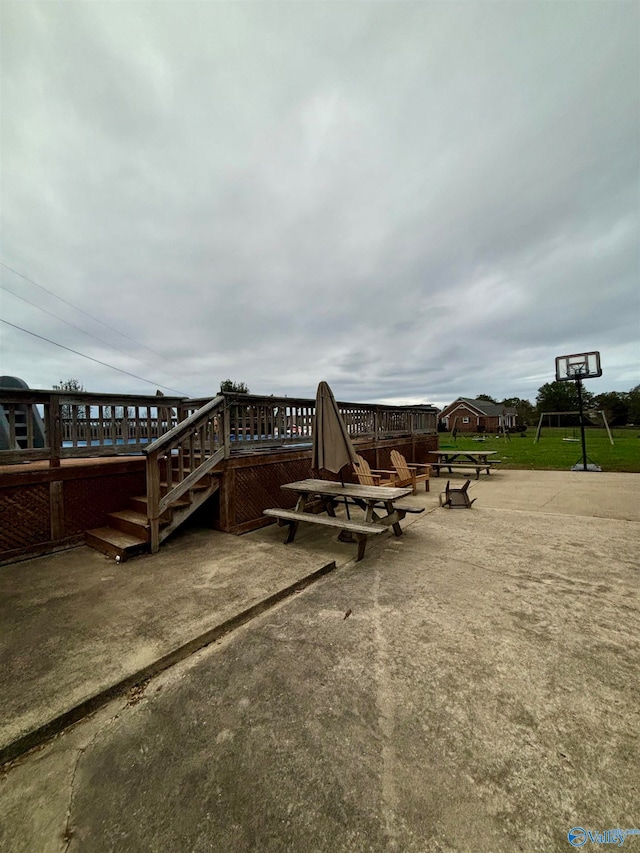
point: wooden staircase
(128, 533)
(183, 470)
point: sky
(412, 201)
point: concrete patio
(482, 693)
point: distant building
(466, 415)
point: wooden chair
(408, 472)
(367, 477)
(456, 498)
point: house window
(465, 420)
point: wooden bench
(450, 465)
(404, 508)
(321, 506)
(361, 529)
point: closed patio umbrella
(332, 447)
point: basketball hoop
(584, 365)
(578, 370)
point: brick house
(468, 415)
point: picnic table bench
(322, 496)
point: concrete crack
(69, 832)
(385, 702)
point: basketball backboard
(585, 365)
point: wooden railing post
(376, 434)
(226, 429)
(153, 500)
(54, 428)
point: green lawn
(554, 453)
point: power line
(75, 307)
(73, 326)
(97, 361)
(91, 317)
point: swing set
(573, 437)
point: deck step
(131, 522)
(202, 484)
(139, 504)
(115, 543)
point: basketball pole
(582, 435)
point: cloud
(411, 201)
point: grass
(552, 452)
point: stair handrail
(199, 425)
(184, 426)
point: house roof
(492, 410)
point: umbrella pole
(345, 535)
(346, 502)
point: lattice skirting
(258, 488)
(87, 502)
(24, 517)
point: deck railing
(58, 425)
(256, 422)
(55, 425)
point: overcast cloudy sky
(411, 200)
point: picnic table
(478, 459)
(318, 499)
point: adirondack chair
(408, 472)
(367, 477)
(456, 498)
